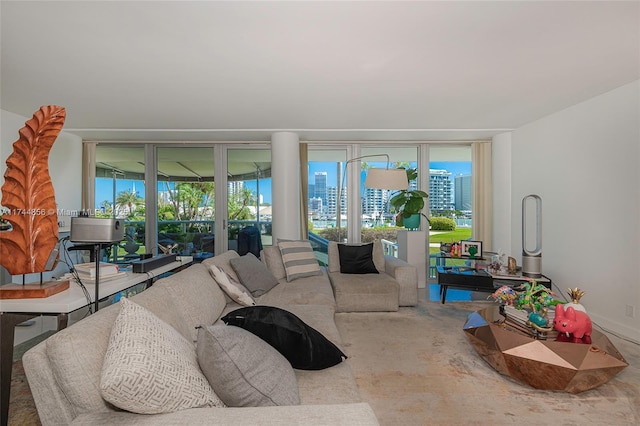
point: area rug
(22, 408)
(416, 367)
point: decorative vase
(411, 222)
(575, 294)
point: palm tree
(239, 204)
(129, 200)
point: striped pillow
(298, 259)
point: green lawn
(450, 236)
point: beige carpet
(416, 367)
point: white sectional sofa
(64, 371)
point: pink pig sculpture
(576, 325)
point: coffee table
(542, 364)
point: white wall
(584, 162)
(65, 165)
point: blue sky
(104, 186)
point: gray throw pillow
(253, 274)
(244, 370)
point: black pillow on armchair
(357, 259)
(303, 346)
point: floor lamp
(378, 178)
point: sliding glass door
(185, 196)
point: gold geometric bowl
(542, 364)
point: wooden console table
(16, 311)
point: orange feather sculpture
(28, 195)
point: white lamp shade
(386, 179)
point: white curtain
(482, 193)
(88, 174)
(304, 191)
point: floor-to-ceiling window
(340, 207)
(185, 197)
(184, 176)
(450, 189)
(120, 193)
(450, 198)
(376, 212)
(248, 208)
(327, 206)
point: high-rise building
(234, 187)
(462, 192)
(440, 190)
(375, 201)
(332, 198)
(320, 186)
(315, 206)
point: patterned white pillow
(150, 368)
(236, 291)
(298, 259)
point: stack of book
(519, 316)
(108, 272)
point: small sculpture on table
(504, 294)
(168, 249)
(573, 326)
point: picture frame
(466, 245)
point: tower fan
(532, 259)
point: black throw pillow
(303, 346)
(357, 259)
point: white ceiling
(328, 70)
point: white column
(285, 185)
(412, 248)
(502, 206)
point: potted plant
(408, 204)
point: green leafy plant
(408, 202)
(442, 224)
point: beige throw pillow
(150, 368)
(299, 259)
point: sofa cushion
(223, 260)
(244, 370)
(192, 292)
(299, 259)
(236, 291)
(334, 256)
(315, 290)
(357, 259)
(272, 258)
(253, 274)
(365, 292)
(76, 355)
(150, 368)
(304, 347)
